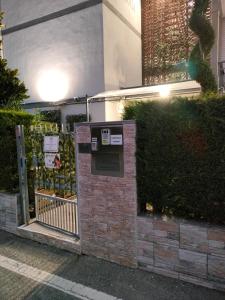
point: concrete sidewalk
(24, 266)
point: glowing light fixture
(120, 107)
(164, 90)
(192, 3)
(52, 85)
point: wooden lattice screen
(167, 39)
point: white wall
(114, 110)
(122, 46)
(68, 110)
(90, 59)
(20, 11)
(130, 9)
(97, 111)
(72, 45)
(222, 41)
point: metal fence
(57, 212)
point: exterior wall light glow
(120, 107)
(52, 85)
(164, 91)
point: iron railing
(60, 181)
(57, 212)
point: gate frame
(22, 170)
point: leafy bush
(52, 116)
(12, 90)
(8, 157)
(181, 157)
(199, 68)
(71, 119)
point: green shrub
(8, 157)
(71, 119)
(181, 157)
(52, 116)
(12, 90)
(199, 68)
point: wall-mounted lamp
(164, 90)
(52, 85)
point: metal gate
(53, 168)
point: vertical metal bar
(51, 213)
(22, 169)
(60, 220)
(75, 217)
(66, 216)
(63, 216)
(44, 202)
(57, 211)
(54, 219)
(72, 217)
(47, 205)
(40, 209)
(73, 220)
(76, 181)
(36, 206)
(69, 218)
(70, 169)
(64, 162)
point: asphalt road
(25, 265)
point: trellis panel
(167, 39)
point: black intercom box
(107, 150)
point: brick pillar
(108, 205)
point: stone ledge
(45, 235)
(10, 212)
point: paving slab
(111, 279)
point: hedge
(71, 119)
(51, 116)
(181, 157)
(8, 158)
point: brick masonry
(189, 251)
(110, 228)
(10, 212)
(107, 205)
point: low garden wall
(189, 251)
(110, 227)
(10, 212)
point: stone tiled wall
(10, 212)
(189, 251)
(107, 205)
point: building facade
(167, 40)
(70, 48)
(66, 49)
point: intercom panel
(107, 151)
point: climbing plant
(199, 68)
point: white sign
(94, 144)
(52, 161)
(105, 136)
(117, 139)
(51, 143)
